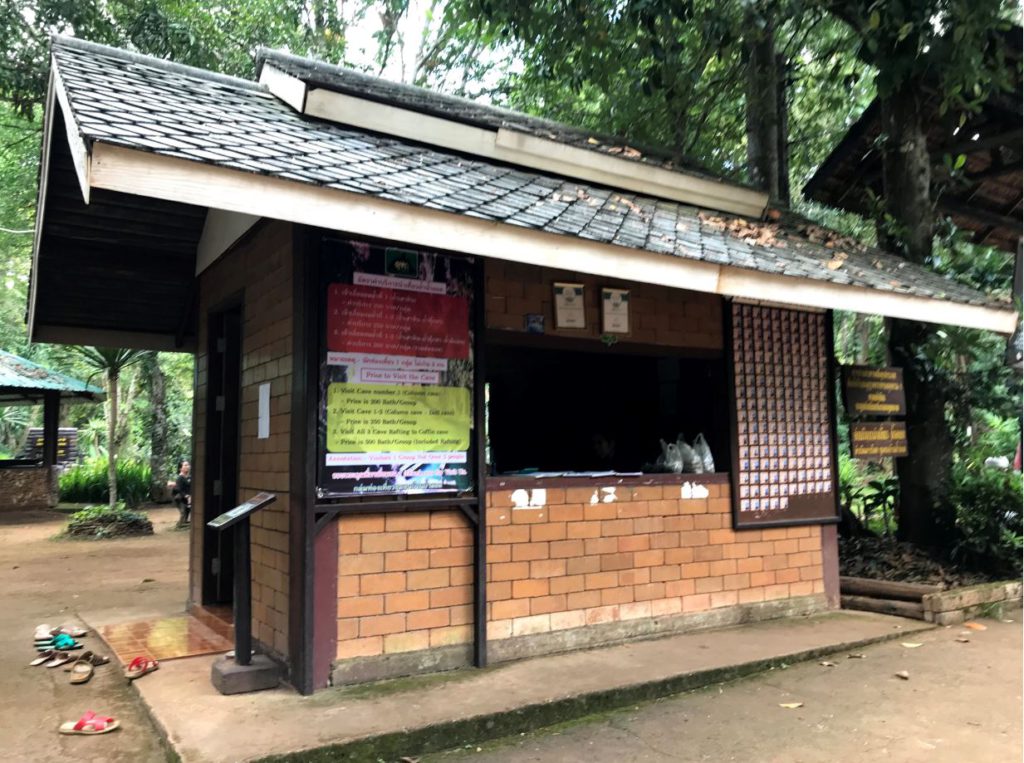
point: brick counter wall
(646, 552)
(584, 558)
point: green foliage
(988, 519)
(98, 522)
(87, 482)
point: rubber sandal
(81, 671)
(60, 658)
(62, 641)
(139, 667)
(44, 632)
(46, 656)
(93, 659)
(89, 724)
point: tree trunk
(111, 435)
(156, 384)
(763, 102)
(924, 513)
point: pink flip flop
(139, 667)
(89, 724)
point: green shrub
(988, 519)
(104, 522)
(87, 482)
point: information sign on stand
(875, 393)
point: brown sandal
(81, 671)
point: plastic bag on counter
(703, 451)
(670, 460)
(692, 463)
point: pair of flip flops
(139, 667)
(61, 641)
(51, 658)
(44, 632)
(83, 668)
(90, 723)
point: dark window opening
(557, 410)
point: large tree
(931, 57)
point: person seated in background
(182, 492)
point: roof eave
(145, 174)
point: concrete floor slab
(413, 716)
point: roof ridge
(75, 43)
(652, 154)
(264, 54)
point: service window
(557, 410)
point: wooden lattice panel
(784, 465)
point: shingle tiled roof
(151, 105)
(24, 381)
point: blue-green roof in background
(23, 382)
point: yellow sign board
(874, 440)
(381, 418)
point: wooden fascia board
(76, 144)
(827, 295)
(44, 182)
(145, 174)
(136, 340)
(513, 147)
(284, 86)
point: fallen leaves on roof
(829, 238)
(748, 231)
(627, 151)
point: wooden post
(51, 426)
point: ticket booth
(468, 353)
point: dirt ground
(962, 702)
(48, 581)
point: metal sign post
(238, 518)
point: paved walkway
(47, 581)
(406, 718)
(961, 703)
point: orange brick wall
(405, 583)
(658, 315)
(405, 580)
(647, 553)
(261, 266)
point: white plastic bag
(692, 463)
(703, 451)
(671, 459)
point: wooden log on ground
(910, 609)
(886, 589)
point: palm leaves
(110, 362)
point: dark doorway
(220, 484)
